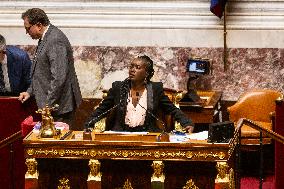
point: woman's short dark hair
(149, 66)
(36, 15)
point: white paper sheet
(198, 136)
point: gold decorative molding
(190, 185)
(31, 168)
(127, 185)
(95, 173)
(223, 174)
(91, 153)
(222, 168)
(232, 184)
(205, 155)
(233, 143)
(158, 175)
(63, 183)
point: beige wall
(177, 23)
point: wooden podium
(111, 161)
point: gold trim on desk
(125, 154)
(146, 150)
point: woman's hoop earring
(145, 80)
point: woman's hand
(188, 128)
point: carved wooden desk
(112, 161)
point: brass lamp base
(47, 124)
(50, 132)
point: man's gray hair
(2, 43)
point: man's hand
(24, 96)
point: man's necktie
(38, 43)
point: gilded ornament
(189, 154)
(63, 184)
(222, 155)
(157, 154)
(222, 168)
(95, 173)
(232, 184)
(158, 167)
(125, 154)
(190, 185)
(30, 152)
(127, 185)
(61, 152)
(31, 168)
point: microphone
(149, 112)
(163, 136)
(126, 79)
(97, 118)
(124, 89)
(125, 82)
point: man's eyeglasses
(28, 28)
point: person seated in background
(15, 69)
(136, 100)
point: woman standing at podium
(134, 102)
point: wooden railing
(11, 139)
(235, 144)
(8, 142)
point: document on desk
(198, 136)
(125, 132)
(185, 137)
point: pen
(66, 135)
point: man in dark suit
(54, 80)
(15, 68)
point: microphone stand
(88, 129)
(163, 136)
(95, 119)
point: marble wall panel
(247, 68)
